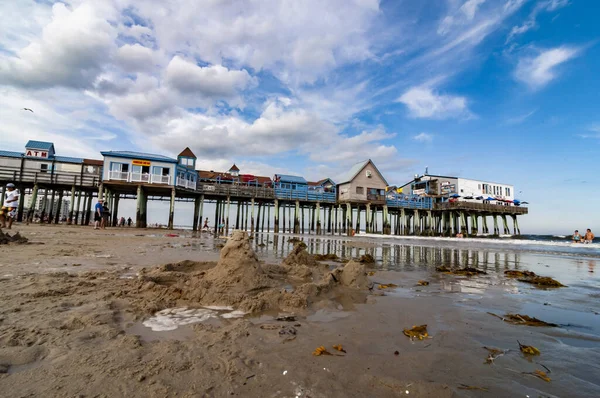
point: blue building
(146, 168)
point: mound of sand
(299, 255)
(299, 263)
(5, 238)
(238, 269)
(354, 275)
(240, 281)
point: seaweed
(542, 281)
(419, 332)
(386, 286)
(528, 349)
(519, 274)
(326, 257)
(539, 374)
(493, 353)
(321, 351)
(467, 271)
(518, 319)
(467, 387)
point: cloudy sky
(500, 90)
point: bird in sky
(27, 109)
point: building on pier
(233, 177)
(363, 183)
(441, 188)
(325, 185)
(151, 169)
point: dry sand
(72, 308)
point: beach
(143, 313)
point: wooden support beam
(197, 218)
(115, 208)
(140, 212)
(318, 210)
(302, 220)
(31, 210)
(297, 217)
(276, 221)
(59, 207)
(258, 208)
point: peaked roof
(357, 168)
(234, 168)
(187, 153)
(41, 145)
(320, 182)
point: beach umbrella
(468, 197)
(455, 195)
(517, 201)
(524, 203)
(490, 198)
(479, 198)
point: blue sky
(500, 90)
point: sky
(498, 90)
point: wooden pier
(257, 207)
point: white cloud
(346, 150)
(136, 58)
(538, 71)
(211, 81)
(60, 117)
(521, 118)
(72, 50)
(461, 16)
(595, 132)
(469, 8)
(297, 42)
(423, 137)
(531, 21)
(423, 102)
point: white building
(463, 189)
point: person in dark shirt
(98, 210)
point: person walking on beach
(589, 236)
(576, 237)
(129, 222)
(205, 226)
(98, 210)
(9, 207)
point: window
(462, 190)
(507, 191)
(44, 168)
(186, 161)
(122, 167)
(360, 190)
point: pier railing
(306, 195)
(236, 190)
(410, 202)
(33, 176)
(482, 207)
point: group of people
(102, 216)
(587, 238)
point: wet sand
(69, 325)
